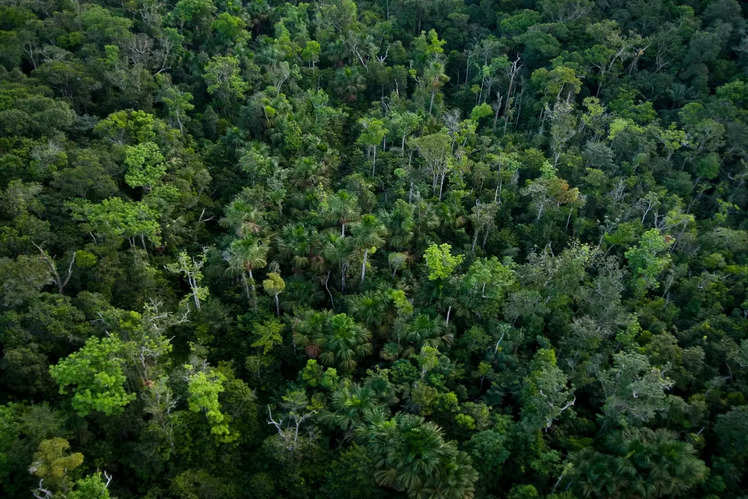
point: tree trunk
(363, 265)
(196, 298)
(513, 75)
(327, 279)
(254, 292)
(540, 211)
(277, 306)
(441, 184)
(498, 108)
(245, 285)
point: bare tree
(513, 72)
(49, 260)
(288, 427)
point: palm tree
(336, 251)
(274, 285)
(411, 455)
(351, 404)
(245, 255)
(295, 243)
(343, 208)
(244, 215)
(369, 235)
(343, 341)
(340, 339)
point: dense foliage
(391, 248)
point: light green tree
(274, 285)
(96, 374)
(440, 261)
(269, 334)
(91, 487)
(436, 152)
(204, 386)
(117, 219)
(145, 165)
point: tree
(544, 395)
(410, 455)
(440, 261)
(372, 134)
(204, 386)
(651, 463)
(92, 487)
(128, 127)
(405, 123)
(96, 374)
(342, 207)
(268, 335)
(53, 465)
(490, 279)
(433, 79)
(634, 390)
(645, 260)
(731, 434)
(488, 450)
(336, 338)
(177, 102)
(295, 404)
(193, 12)
(274, 285)
(482, 217)
(436, 152)
(117, 219)
(22, 279)
(369, 234)
(344, 341)
(145, 165)
(192, 270)
(224, 80)
(245, 255)
(59, 281)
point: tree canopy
(373, 248)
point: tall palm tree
(337, 250)
(343, 208)
(245, 255)
(368, 234)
